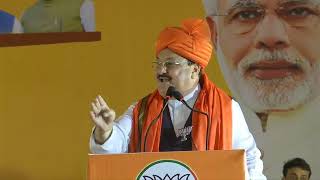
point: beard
(267, 95)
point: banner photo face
(46, 16)
(269, 53)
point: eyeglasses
(245, 16)
(169, 65)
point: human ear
(196, 71)
(213, 30)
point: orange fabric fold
(191, 41)
(211, 100)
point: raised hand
(103, 118)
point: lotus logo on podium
(167, 170)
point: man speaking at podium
(162, 121)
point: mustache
(275, 56)
(162, 77)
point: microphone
(169, 93)
(177, 95)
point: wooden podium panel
(211, 165)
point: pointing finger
(102, 103)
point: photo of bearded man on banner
(268, 51)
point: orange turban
(191, 41)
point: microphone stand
(176, 94)
(208, 120)
(154, 121)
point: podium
(191, 165)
